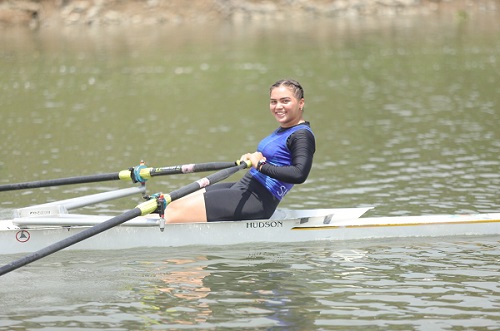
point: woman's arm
(302, 146)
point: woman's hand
(253, 157)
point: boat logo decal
(282, 191)
(23, 236)
(328, 219)
(264, 224)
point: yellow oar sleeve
(147, 207)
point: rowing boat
(36, 227)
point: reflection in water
(256, 285)
(407, 284)
(186, 282)
(410, 284)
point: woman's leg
(191, 208)
(188, 209)
(223, 204)
(236, 204)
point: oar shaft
(185, 169)
(206, 181)
(145, 173)
(60, 181)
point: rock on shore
(44, 13)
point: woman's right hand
(253, 157)
(245, 157)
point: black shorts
(244, 200)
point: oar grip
(124, 175)
(247, 162)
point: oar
(142, 209)
(137, 174)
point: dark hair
(293, 85)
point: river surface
(405, 113)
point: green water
(405, 114)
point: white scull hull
(29, 234)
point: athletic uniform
(289, 155)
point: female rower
(282, 159)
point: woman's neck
(291, 126)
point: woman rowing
(282, 159)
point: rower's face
(285, 107)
